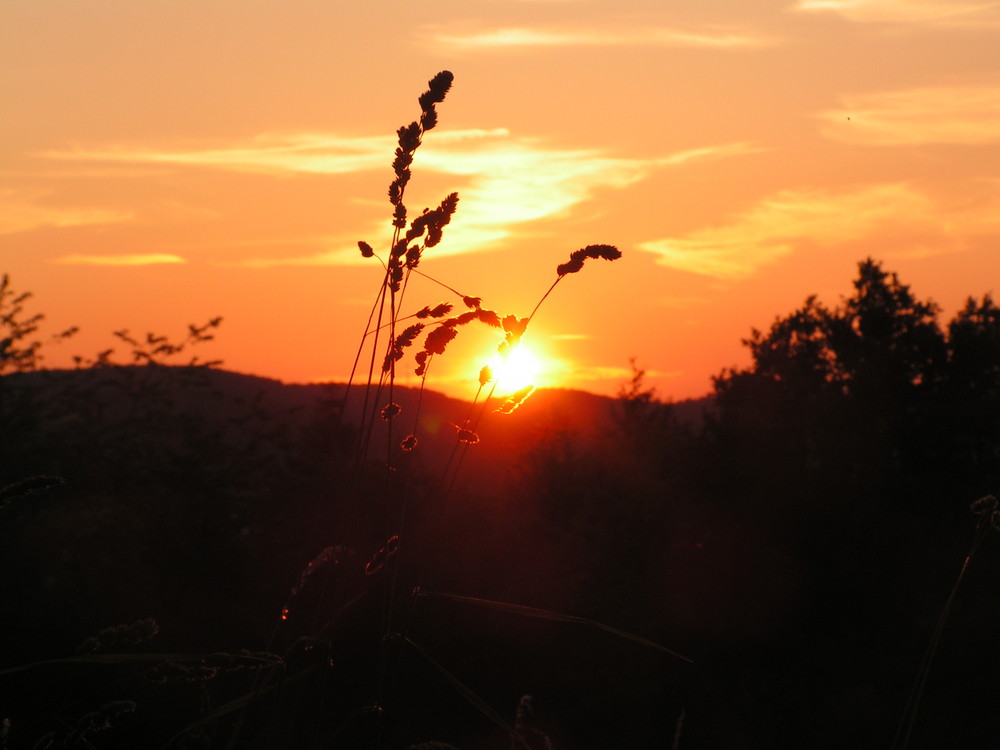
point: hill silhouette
(92, 405)
(196, 497)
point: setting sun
(521, 368)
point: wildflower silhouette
(410, 239)
(393, 332)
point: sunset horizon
(160, 172)
(673, 339)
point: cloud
(22, 212)
(929, 12)
(710, 152)
(146, 259)
(933, 114)
(520, 37)
(515, 182)
(507, 180)
(779, 225)
(267, 153)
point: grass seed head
(577, 257)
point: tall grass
(986, 508)
(396, 328)
(381, 481)
(358, 640)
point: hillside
(62, 405)
(198, 497)
(212, 502)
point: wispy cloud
(710, 152)
(515, 181)
(930, 12)
(506, 180)
(266, 153)
(146, 259)
(779, 225)
(524, 36)
(932, 114)
(23, 211)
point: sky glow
(169, 162)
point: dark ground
(197, 498)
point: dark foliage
(872, 394)
(858, 437)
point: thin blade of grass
(545, 614)
(237, 703)
(909, 717)
(471, 696)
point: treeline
(872, 394)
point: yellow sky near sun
(167, 162)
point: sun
(520, 368)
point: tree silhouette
(863, 395)
(973, 385)
(18, 352)
(856, 438)
(886, 340)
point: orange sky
(163, 162)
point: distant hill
(215, 503)
(148, 401)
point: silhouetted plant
(21, 351)
(875, 382)
(404, 255)
(338, 583)
(428, 331)
(157, 349)
(18, 352)
(988, 512)
(410, 240)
